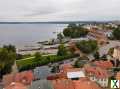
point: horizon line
(89, 21)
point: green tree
(96, 55)
(87, 46)
(104, 57)
(80, 63)
(116, 33)
(19, 56)
(10, 48)
(62, 51)
(75, 31)
(55, 69)
(7, 59)
(38, 57)
(72, 25)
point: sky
(59, 10)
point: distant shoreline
(57, 22)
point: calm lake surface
(22, 35)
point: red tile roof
(62, 84)
(8, 79)
(118, 76)
(66, 66)
(83, 83)
(104, 64)
(97, 71)
(22, 77)
(57, 76)
(15, 85)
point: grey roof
(41, 84)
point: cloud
(59, 10)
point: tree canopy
(10, 48)
(62, 51)
(96, 55)
(7, 59)
(116, 33)
(81, 61)
(38, 56)
(87, 46)
(75, 31)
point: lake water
(21, 35)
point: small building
(116, 53)
(98, 75)
(108, 33)
(77, 74)
(83, 83)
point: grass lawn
(25, 61)
(31, 62)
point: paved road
(104, 49)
